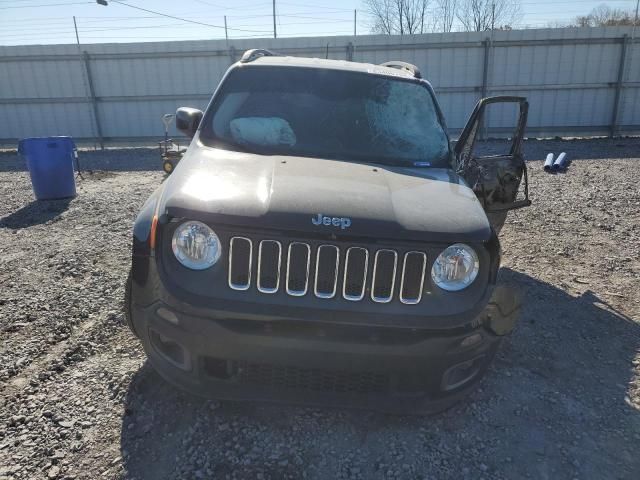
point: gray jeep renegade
(323, 242)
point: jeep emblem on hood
(342, 222)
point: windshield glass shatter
(327, 114)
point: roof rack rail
(403, 66)
(255, 53)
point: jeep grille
(325, 270)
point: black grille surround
(327, 270)
(323, 300)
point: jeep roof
(273, 60)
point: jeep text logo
(341, 222)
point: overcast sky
(51, 21)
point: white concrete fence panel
(579, 81)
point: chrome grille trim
(298, 293)
(393, 278)
(260, 287)
(355, 298)
(411, 271)
(236, 286)
(412, 301)
(335, 280)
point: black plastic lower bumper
(392, 370)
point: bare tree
(605, 16)
(480, 15)
(583, 21)
(557, 24)
(398, 17)
(446, 14)
(382, 16)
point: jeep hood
(286, 193)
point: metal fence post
(350, 50)
(613, 128)
(486, 43)
(92, 98)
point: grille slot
(412, 283)
(240, 253)
(298, 260)
(269, 261)
(332, 272)
(355, 273)
(383, 280)
(327, 265)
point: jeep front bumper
(265, 358)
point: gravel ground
(562, 400)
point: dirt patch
(561, 401)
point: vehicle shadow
(35, 213)
(558, 403)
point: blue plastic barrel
(50, 164)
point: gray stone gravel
(79, 401)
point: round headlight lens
(455, 268)
(195, 245)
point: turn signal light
(152, 233)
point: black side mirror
(187, 120)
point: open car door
(495, 179)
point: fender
(495, 253)
(142, 225)
(142, 253)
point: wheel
(168, 166)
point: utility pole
(355, 21)
(493, 16)
(275, 33)
(226, 35)
(75, 27)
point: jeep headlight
(455, 268)
(195, 245)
